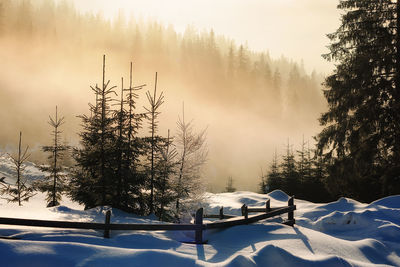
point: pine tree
(229, 185)
(263, 189)
(92, 184)
(152, 115)
(289, 172)
(133, 180)
(302, 161)
(276, 88)
(361, 135)
(54, 184)
(20, 191)
(312, 177)
(274, 177)
(231, 66)
(192, 155)
(120, 146)
(243, 61)
(165, 169)
(317, 182)
(295, 86)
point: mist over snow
(340, 233)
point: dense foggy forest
(227, 83)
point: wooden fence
(225, 220)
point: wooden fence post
(221, 213)
(199, 221)
(107, 224)
(267, 206)
(291, 213)
(245, 211)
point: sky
(294, 28)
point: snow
(340, 233)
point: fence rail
(225, 221)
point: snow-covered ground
(341, 233)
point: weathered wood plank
(156, 227)
(263, 209)
(252, 219)
(54, 224)
(97, 226)
(215, 216)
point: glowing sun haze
(295, 28)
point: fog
(51, 54)
(296, 29)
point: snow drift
(341, 233)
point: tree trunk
(19, 170)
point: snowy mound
(342, 233)
(388, 202)
(278, 195)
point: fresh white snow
(340, 233)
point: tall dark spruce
(165, 169)
(92, 184)
(361, 136)
(132, 198)
(273, 179)
(289, 173)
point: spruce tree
(274, 177)
(289, 172)
(302, 160)
(20, 191)
(120, 146)
(133, 180)
(361, 135)
(318, 191)
(229, 185)
(231, 63)
(92, 184)
(166, 167)
(54, 183)
(263, 189)
(192, 155)
(154, 140)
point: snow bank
(341, 233)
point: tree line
(301, 173)
(231, 74)
(114, 166)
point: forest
(62, 52)
(357, 151)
